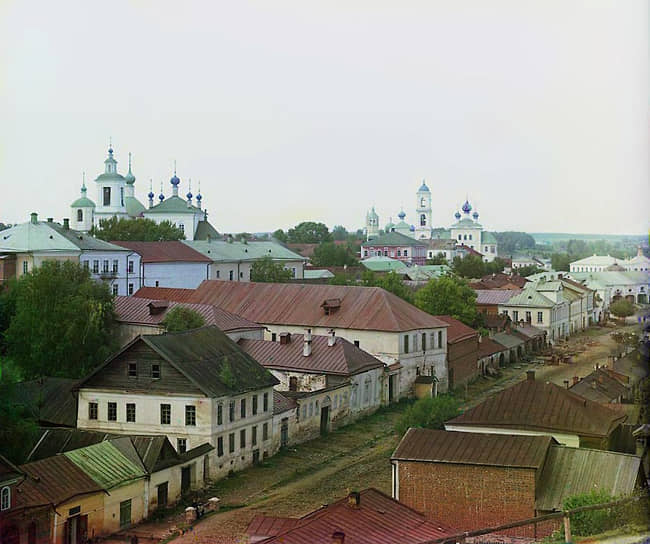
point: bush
(429, 412)
(180, 319)
(622, 308)
(593, 521)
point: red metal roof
(165, 252)
(472, 448)
(282, 403)
(457, 330)
(362, 308)
(377, 519)
(541, 406)
(488, 347)
(495, 296)
(343, 358)
(267, 526)
(165, 293)
(136, 310)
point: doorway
(185, 479)
(125, 513)
(391, 388)
(284, 432)
(324, 420)
(162, 495)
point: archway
(502, 359)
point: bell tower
(423, 223)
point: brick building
(462, 352)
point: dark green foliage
(472, 266)
(342, 279)
(393, 283)
(280, 236)
(438, 259)
(339, 232)
(512, 242)
(331, 254)
(528, 270)
(180, 319)
(266, 270)
(622, 308)
(7, 310)
(428, 412)
(18, 429)
(594, 521)
(63, 322)
(449, 295)
(136, 230)
(560, 261)
(309, 232)
(644, 401)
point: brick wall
(469, 497)
(463, 361)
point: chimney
(50, 219)
(306, 348)
(66, 223)
(354, 499)
(575, 380)
(530, 375)
(33, 217)
(331, 338)
(338, 537)
(566, 384)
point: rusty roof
(343, 358)
(574, 471)
(361, 308)
(529, 331)
(165, 252)
(494, 296)
(457, 330)
(378, 519)
(165, 293)
(267, 526)
(282, 403)
(136, 310)
(487, 346)
(541, 406)
(499, 450)
(599, 386)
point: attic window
(155, 371)
(133, 370)
(331, 305)
(157, 307)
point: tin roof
(281, 403)
(137, 310)
(541, 406)
(393, 239)
(499, 450)
(599, 386)
(378, 519)
(53, 441)
(165, 293)
(529, 331)
(49, 400)
(457, 330)
(529, 298)
(574, 471)
(164, 252)
(218, 250)
(383, 264)
(343, 358)
(487, 347)
(508, 340)
(494, 296)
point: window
(121, 196)
(218, 274)
(254, 436)
(540, 317)
(505, 312)
(181, 226)
(80, 215)
(115, 265)
(311, 409)
(112, 411)
(293, 272)
(130, 267)
(231, 442)
(266, 402)
(470, 236)
(242, 439)
(356, 343)
(105, 266)
(424, 341)
(220, 446)
(5, 498)
(406, 253)
(86, 265)
(460, 237)
(242, 408)
(293, 383)
(157, 283)
(92, 410)
(182, 445)
(515, 315)
(230, 275)
(130, 412)
(133, 370)
(406, 343)
(265, 431)
(155, 371)
(107, 196)
(440, 340)
(241, 275)
(190, 415)
(114, 289)
(165, 414)
(130, 288)
(125, 513)
(254, 404)
(274, 337)
(95, 267)
(220, 414)
(231, 411)
(528, 317)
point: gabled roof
(205, 230)
(343, 358)
(529, 298)
(49, 400)
(134, 208)
(457, 330)
(53, 441)
(174, 204)
(528, 331)
(599, 386)
(595, 260)
(498, 450)
(508, 340)
(393, 239)
(488, 238)
(379, 263)
(574, 471)
(362, 308)
(83, 240)
(164, 252)
(282, 404)
(539, 406)
(378, 519)
(315, 274)
(34, 237)
(487, 347)
(136, 310)
(218, 250)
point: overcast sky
(292, 111)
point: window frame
(93, 410)
(165, 410)
(5, 498)
(130, 412)
(190, 415)
(113, 406)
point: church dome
(467, 207)
(412, 228)
(199, 197)
(423, 188)
(475, 216)
(175, 180)
(189, 195)
(401, 215)
(161, 197)
(457, 215)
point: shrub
(429, 412)
(622, 308)
(180, 319)
(593, 521)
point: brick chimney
(575, 380)
(66, 223)
(530, 375)
(33, 218)
(306, 347)
(331, 337)
(354, 499)
(338, 537)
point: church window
(464, 236)
(107, 196)
(423, 220)
(182, 227)
(121, 196)
(470, 236)
(80, 215)
(460, 237)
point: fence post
(567, 528)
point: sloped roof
(499, 450)
(494, 296)
(314, 274)
(34, 237)
(380, 263)
(343, 358)
(574, 471)
(599, 386)
(378, 519)
(53, 441)
(134, 208)
(457, 330)
(539, 406)
(49, 400)
(497, 280)
(488, 238)
(529, 298)
(281, 403)
(165, 293)
(9, 471)
(205, 230)
(218, 250)
(595, 260)
(174, 204)
(508, 340)
(488, 347)
(129, 309)
(164, 252)
(83, 240)
(362, 308)
(529, 331)
(393, 239)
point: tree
(438, 259)
(494, 267)
(280, 236)
(622, 308)
(267, 270)
(339, 233)
(528, 270)
(471, 266)
(449, 295)
(180, 319)
(331, 254)
(18, 429)
(393, 283)
(136, 230)
(560, 261)
(309, 232)
(511, 241)
(429, 412)
(63, 322)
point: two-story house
(194, 387)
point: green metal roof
(28, 237)
(383, 264)
(393, 239)
(466, 223)
(174, 204)
(83, 202)
(110, 177)
(488, 238)
(205, 229)
(134, 207)
(82, 240)
(317, 274)
(238, 251)
(530, 297)
(106, 465)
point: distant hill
(550, 237)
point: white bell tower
(423, 223)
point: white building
(604, 263)
(469, 232)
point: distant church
(465, 231)
(116, 198)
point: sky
(298, 110)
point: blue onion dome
(424, 188)
(151, 195)
(189, 195)
(412, 228)
(401, 215)
(475, 216)
(457, 215)
(467, 207)
(175, 180)
(199, 197)
(161, 197)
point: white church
(465, 232)
(116, 198)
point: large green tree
(63, 322)
(560, 261)
(180, 319)
(18, 429)
(622, 308)
(449, 295)
(470, 266)
(267, 270)
(393, 283)
(512, 241)
(339, 232)
(331, 254)
(528, 270)
(137, 230)
(309, 232)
